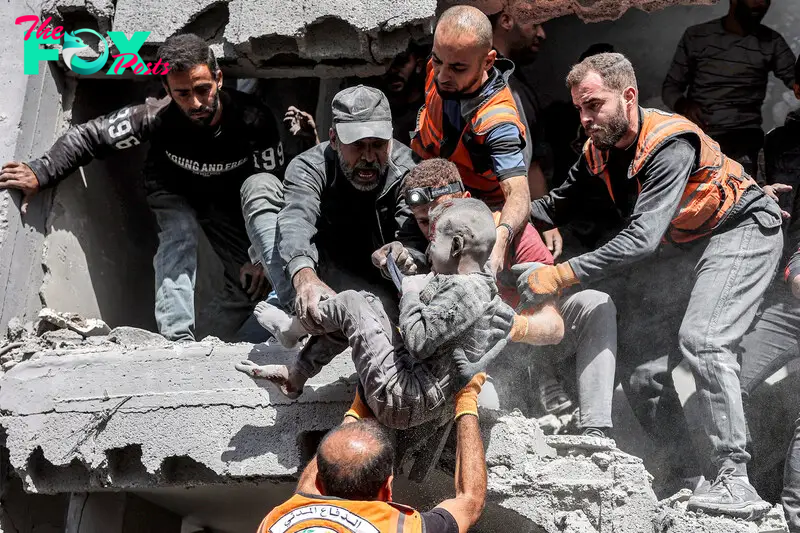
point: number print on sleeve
(267, 159)
(121, 128)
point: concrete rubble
(130, 411)
(314, 37)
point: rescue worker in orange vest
(470, 118)
(704, 242)
(347, 486)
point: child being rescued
(452, 325)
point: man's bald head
(462, 54)
(465, 24)
(354, 461)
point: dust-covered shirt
(451, 311)
(726, 74)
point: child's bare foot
(283, 327)
(290, 383)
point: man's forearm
(307, 482)
(516, 209)
(545, 326)
(470, 478)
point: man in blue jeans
(213, 155)
(689, 227)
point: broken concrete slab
(103, 417)
(68, 416)
(313, 37)
(86, 327)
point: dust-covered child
(451, 321)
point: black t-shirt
(439, 521)
(354, 220)
(207, 165)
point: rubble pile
(123, 408)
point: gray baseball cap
(360, 112)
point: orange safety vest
(715, 186)
(334, 515)
(428, 139)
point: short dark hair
(360, 477)
(797, 71)
(614, 69)
(185, 51)
(435, 172)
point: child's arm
(460, 301)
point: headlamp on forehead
(426, 195)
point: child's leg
(317, 352)
(400, 393)
(287, 329)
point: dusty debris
(131, 338)
(319, 38)
(574, 522)
(679, 520)
(62, 338)
(87, 327)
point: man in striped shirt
(718, 77)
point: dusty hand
(403, 259)
(257, 286)
(416, 283)
(774, 191)
(466, 369)
(520, 273)
(538, 284)
(497, 259)
(300, 123)
(554, 242)
(693, 111)
(19, 176)
(467, 397)
(310, 291)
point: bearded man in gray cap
(343, 202)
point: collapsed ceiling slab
(311, 37)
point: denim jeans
(705, 296)
(175, 262)
(732, 276)
(262, 200)
(401, 391)
(590, 332)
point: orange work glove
(538, 282)
(467, 398)
(359, 410)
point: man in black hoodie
(213, 154)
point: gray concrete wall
(649, 40)
(38, 99)
(101, 236)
